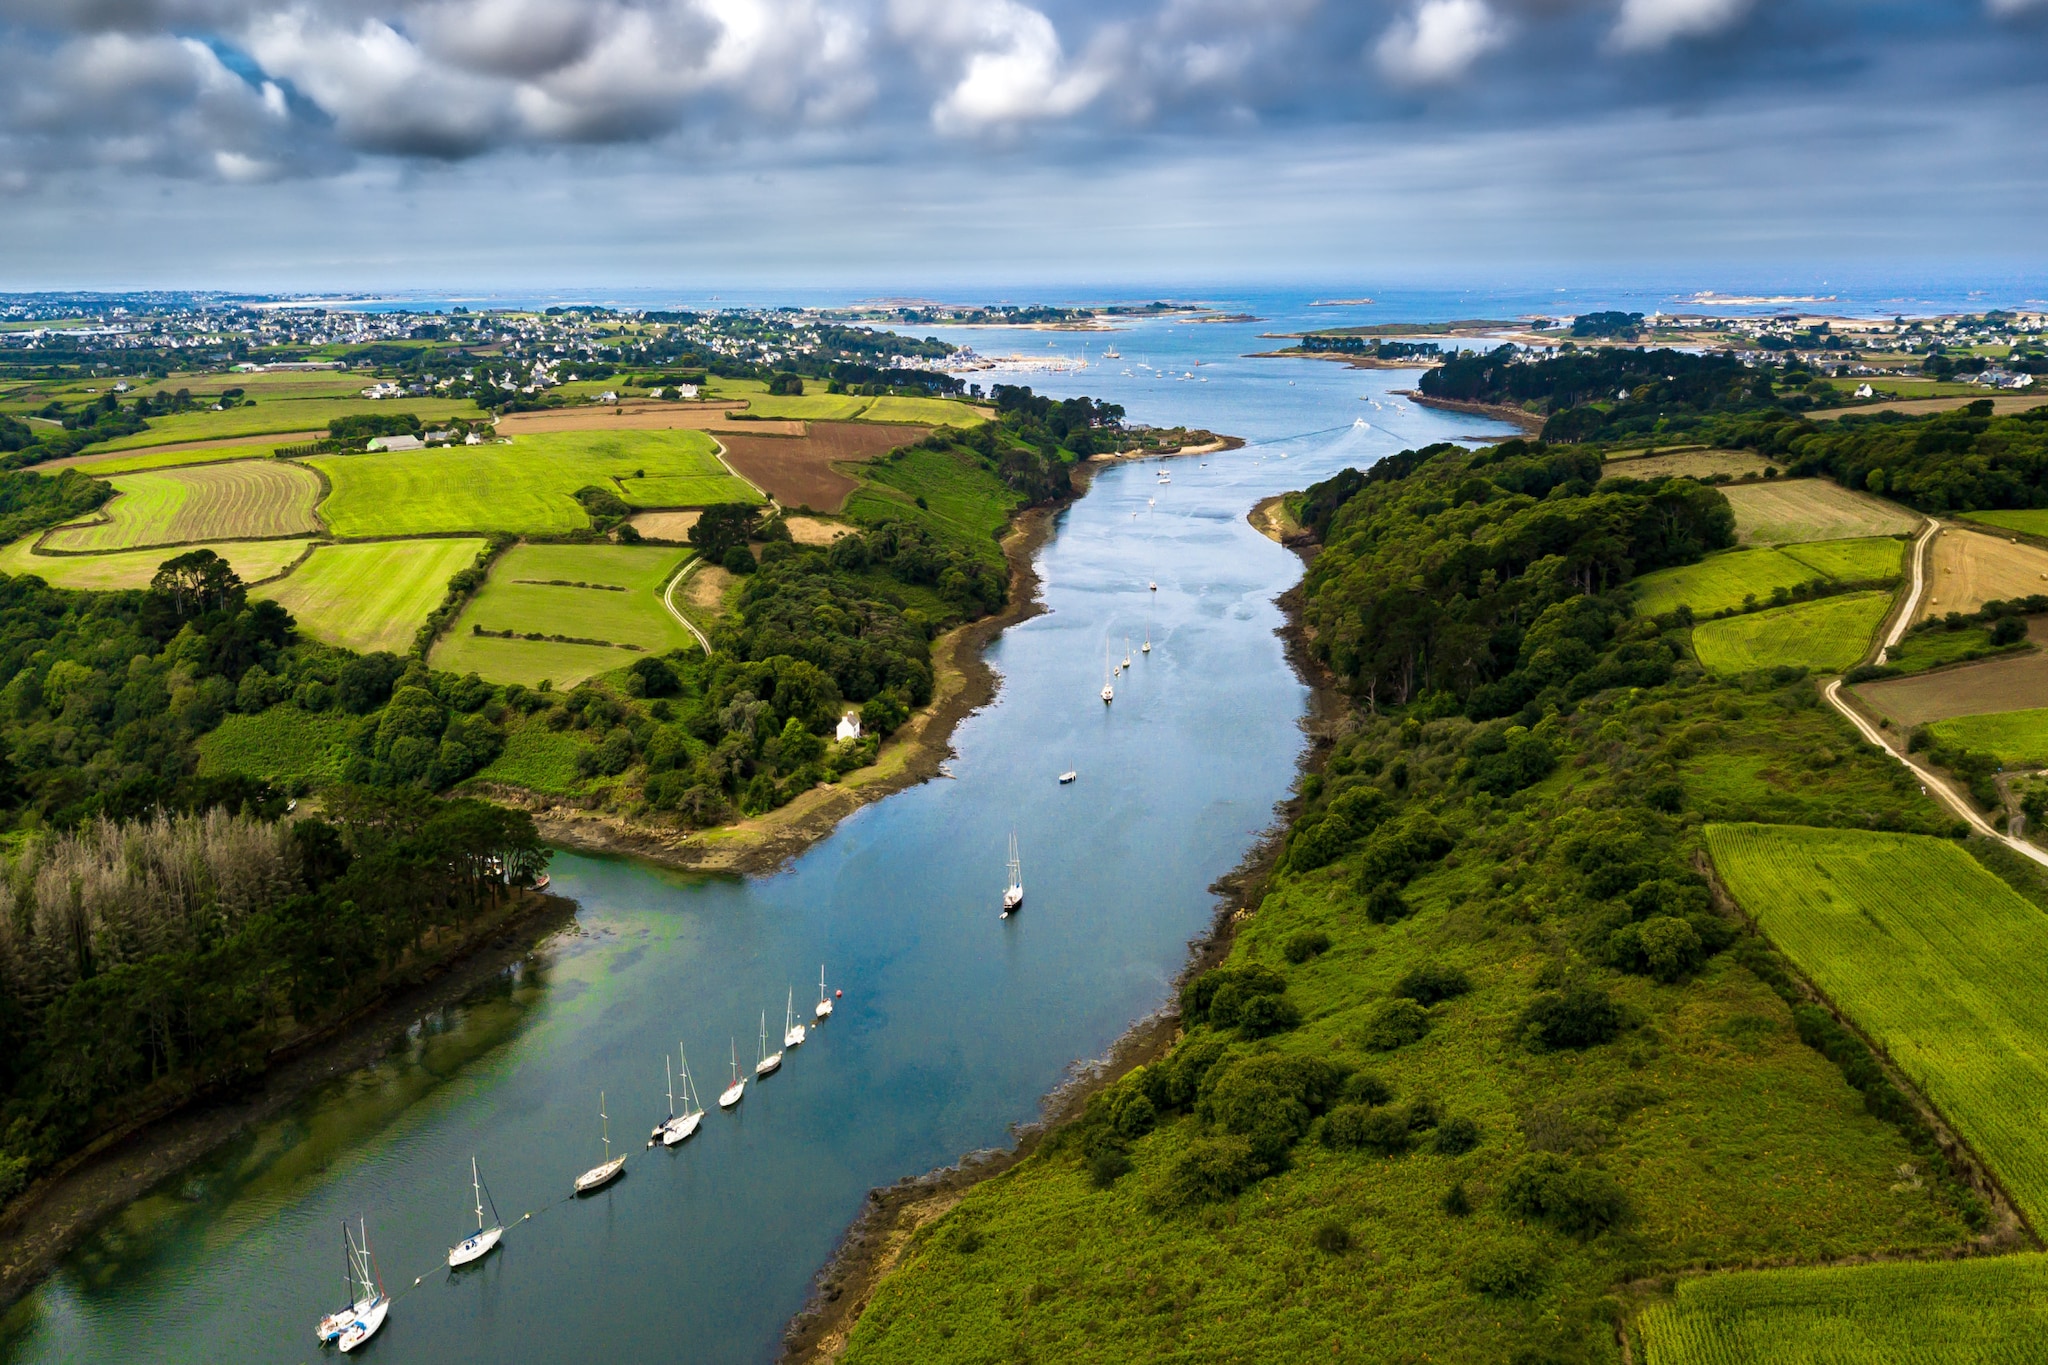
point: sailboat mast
(476, 1181)
(606, 1119)
(669, 1067)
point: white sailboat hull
(824, 1009)
(733, 1094)
(365, 1325)
(794, 1037)
(768, 1065)
(679, 1128)
(474, 1248)
(597, 1177)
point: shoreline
(43, 1224)
(1529, 422)
(891, 1215)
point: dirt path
(1913, 595)
(668, 599)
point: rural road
(1938, 787)
(668, 599)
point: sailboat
(478, 1244)
(1068, 776)
(368, 1305)
(824, 1002)
(733, 1093)
(792, 1031)
(1013, 894)
(1108, 687)
(1154, 586)
(677, 1126)
(597, 1177)
(770, 1062)
(1127, 651)
(1148, 641)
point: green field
(1932, 957)
(929, 411)
(2017, 739)
(104, 466)
(1827, 635)
(960, 500)
(375, 596)
(538, 759)
(1989, 1311)
(252, 559)
(282, 744)
(246, 500)
(523, 486)
(2030, 520)
(522, 596)
(1924, 649)
(1722, 582)
(291, 414)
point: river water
(954, 1023)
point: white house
(397, 443)
(1865, 391)
(849, 726)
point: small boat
(368, 1305)
(1153, 586)
(735, 1092)
(771, 1062)
(824, 1002)
(603, 1174)
(1127, 651)
(676, 1127)
(540, 883)
(1068, 776)
(1112, 354)
(1147, 649)
(792, 1031)
(1013, 894)
(480, 1243)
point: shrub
(1353, 1126)
(1211, 1169)
(1456, 1136)
(1577, 1017)
(1105, 1165)
(1424, 1113)
(1174, 1083)
(1309, 943)
(968, 1242)
(1662, 946)
(1264, 1015)
(1580, 1200)
(1333, 1237)
(1510, 1272)
(1362, 1087)
(738, 561)
(1269, 1100)
(1198, 999)
(1383, 905)
(1396, 1023)
(1456, 1202)
(1130, 1110)
(1432, 984)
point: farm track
(668, 600)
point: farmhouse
(397, 443)
(849, 726)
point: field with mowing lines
(808, 407)
(929, 411)
(1827, 635)
(2014, 682)
(1972, 568)
(1688, 464)
(525, 485)
(1866, 559)
(282, 744)
(267, 418)
(1932, 957)
(1988, 1311)
(1786, 511)
(2017, 739)
(2032, 521)
(371, 597)
(1722, 582)
(622, 605)
(252, 559)
(170, 457)
(245, 500)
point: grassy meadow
(959, 501)
(1723, 582)
(292, 414)
(1826, 635)
(1991, 1311)
(2031, 521)
(1932, 956)
(283, 744)
(1788, 511)
(254, 560)
(522, 595)
(538, 759)
(522, 486)
(2017, 739)
(949, 412)
(123, 462)
(245, 500)
(369, 597)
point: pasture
(2031, 521)
(1786, 511)
(798, 472)
(1975, 567)
(242, 500)
(958, 500)
(171, 456)
(371, 596)
(596, 592)
(523, 486)
(254, 560)
(1931, 956)
(1684, 464)
(1827, 635)
(283, 744)
(290, 415)
(1725, 581)
(1985, 1311)
(2017, 739)
(808, 407)
(949, 412)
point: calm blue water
(954, 1023)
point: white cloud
(1011, 67)
(1439, 41)
(1644, 25)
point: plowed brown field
(1974, 567)
(2018, 682)
(798, 472)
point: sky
(950, 144)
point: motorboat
(1068, 776)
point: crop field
(1688, 464)
(798, 472)
(1931, 956)
(1827, 635)
(1724, 581)
(957, 503)
(929, 411)
(244, 500)
(2001, 404)
(808, 407)
(2016, 682)
(1986, 1311)
(525, 485)
(664, 525)
(171, 456)
(530, 591)
(645, 415)
(290, 415)
(282, 744)
(684, 490)
(1972, 568)
(373, 596)
(1786, 511)
(254, 560)
(2017, 739)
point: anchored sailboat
(1148, 640)
(738, 1089)
(368, 1305)
(1013, 893)
(676, 1126)
(597, 1177)
(770, 1062)
(824, 1001)
(792, 1031)
(478, 1244)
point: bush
(1362, 1087)
(1456, 1136)
(1105, 1165)
(1396, 1023)
(1383, 905)
(1456, 1202)
(1432, 984)
(1512, 1272)
(1199, 998)
(1263, 1015)
(1576, 1018)
(1355, 1127)
(738, 561)
(1268, 1100)
(1333, 1237)
(1662, 946)
(2009, 630)
(1309, 943)
(1211, 1169)
(1580, 1200)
